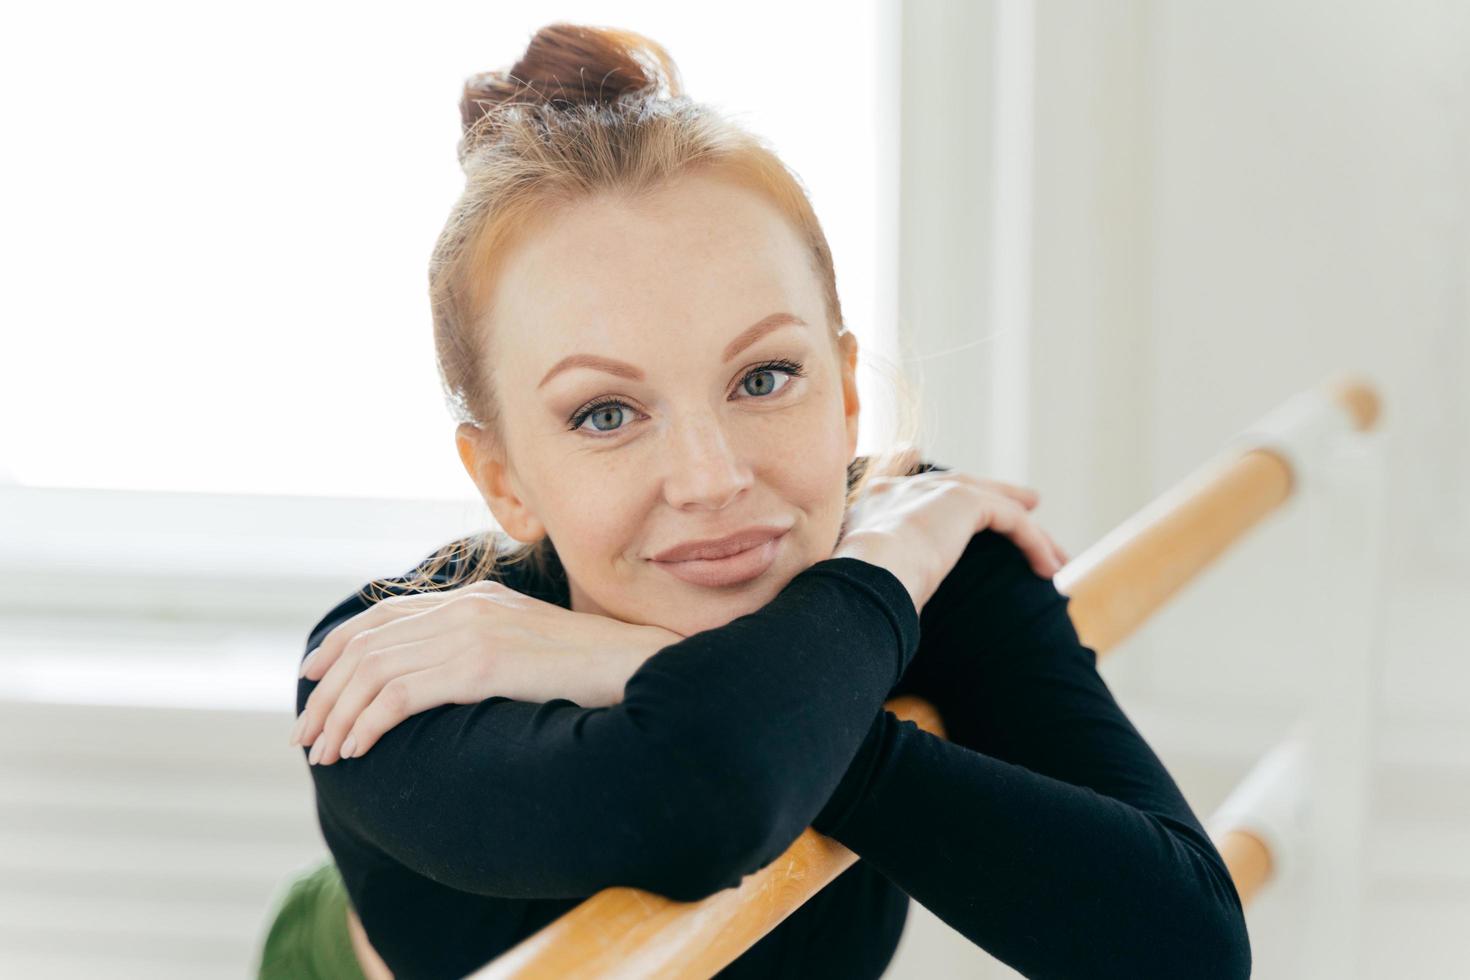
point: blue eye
(603, 410)
(610, 410)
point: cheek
(817, 461)
(814, 483)
(812, 480)
(590, 508)
(813, 431)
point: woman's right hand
(918, 526)
(409, 653)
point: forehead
(698, 255)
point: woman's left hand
(1029, 498)
(906, 458)
(413, 652)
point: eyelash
(792, 368)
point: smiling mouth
(733, 569)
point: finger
(1010, 519)
(318, 661)
(390, 615)
(1057, 550)
(323, 697)
(1025, 496)
(1012, 490)
(375, 671)
(403, 697)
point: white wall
(1231, 202)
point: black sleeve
(724, 747)
(1044, 829)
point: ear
(486, 464)
(847, 359)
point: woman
(636, 317)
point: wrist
(647, 640)
(875, 551)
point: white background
(217, 238)
(1102, 238)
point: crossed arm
(723, 747)
(1044, 829)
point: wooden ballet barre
(1114, 587)
(1264, 821)
(1119, 582)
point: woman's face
(669, 424)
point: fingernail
(297, 732)
(316, 751)
(349, 746)
(307, 662)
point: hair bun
(567, 65)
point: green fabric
(308, 938)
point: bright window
(216, 239)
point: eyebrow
(623, 369)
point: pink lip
(721, 547)
(742, 566)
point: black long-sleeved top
(1044, 828)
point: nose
(704, 471)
